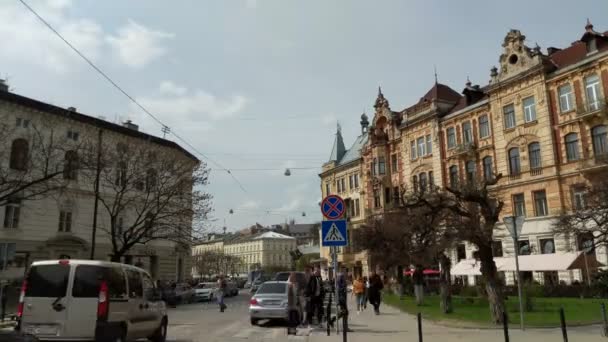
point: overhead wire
(131, 98)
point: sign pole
(515, 224)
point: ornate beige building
(541, 122)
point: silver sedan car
(269, 302)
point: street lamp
(287, 172)
(514, 224)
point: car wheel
(160, 335)
(254, 321)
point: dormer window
(591, 46)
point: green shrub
(469, 291)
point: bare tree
(211, 263)
(588, 215)
(36, 160)
(150, 194)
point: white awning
(536, 262)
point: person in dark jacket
(375, 289)
(314, 293)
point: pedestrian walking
(375, 291)
(318, 295)
(221, 292)
(293, 303)
(307, 292)
(366, 293)
(359, 293)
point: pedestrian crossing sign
(334, 233)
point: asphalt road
(204, 322)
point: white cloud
(170, 88)
(249, 205)
(33, 43)
(136, 45)
(293, 205)
(195, 105)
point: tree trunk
(445, 283)
(493, 285)
(418, 279)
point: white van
(76, 300)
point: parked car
(90, 300)
(284, 276)
(269, 302)
(205, 291)
(256, 284)
(184, 293)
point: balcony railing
(594, 162)
(591, 108)
(466, 149)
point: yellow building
(342, 176)
(541, 122)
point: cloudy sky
(260, 84)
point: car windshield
(268, 288)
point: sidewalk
(393, 325)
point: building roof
(86, 119)
(578, 50)
(354, 152)
(338, 150)
(308, 249)
(272, 235)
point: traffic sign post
(514, 225)
(333, 207)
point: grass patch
(476, 310)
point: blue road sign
(334, 233)
(333, 207)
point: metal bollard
(419, 327)
(505, 325)
(562, 319)
(605, 327)
(345, 326)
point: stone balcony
(594, 163)
(591, 110)
(466, 151)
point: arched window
(534, 155)
(471, 170)
(151, 179)
(514, 163)
(599, 135)
(423, 181)
(70, 165)
(19, 154)
(488, 173)
(453, 175)
(571, 141)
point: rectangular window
(431, 180)
(566, 99)
(540, 203)
(524, 247)
(461, 251)
(547, 246)
(11, 214)
(23, 123)
(497, 249)
(571, 146)
(421, 147)
(65, 221)
(357, 208)
(73, 135)
(579, 194)
(413, 149)
(394, 166)
(381, 166)
(467, 133)
(351, 182)
(484, 126)
(529, 109)
(327, 189)
(453, 171)
(387, 195)
(343, 184)
(592, 90)
(356, 181)
(451, 132)
(534, 155)
(509, 116)
(519, 205)
(429, 145)
(487, 168)
(48, 281)
(396, 195)
(376, 199)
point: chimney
(551, 50)
(130, 125)
(3, 85)
(72, 109)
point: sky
(259, 85)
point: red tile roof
(578, 50)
